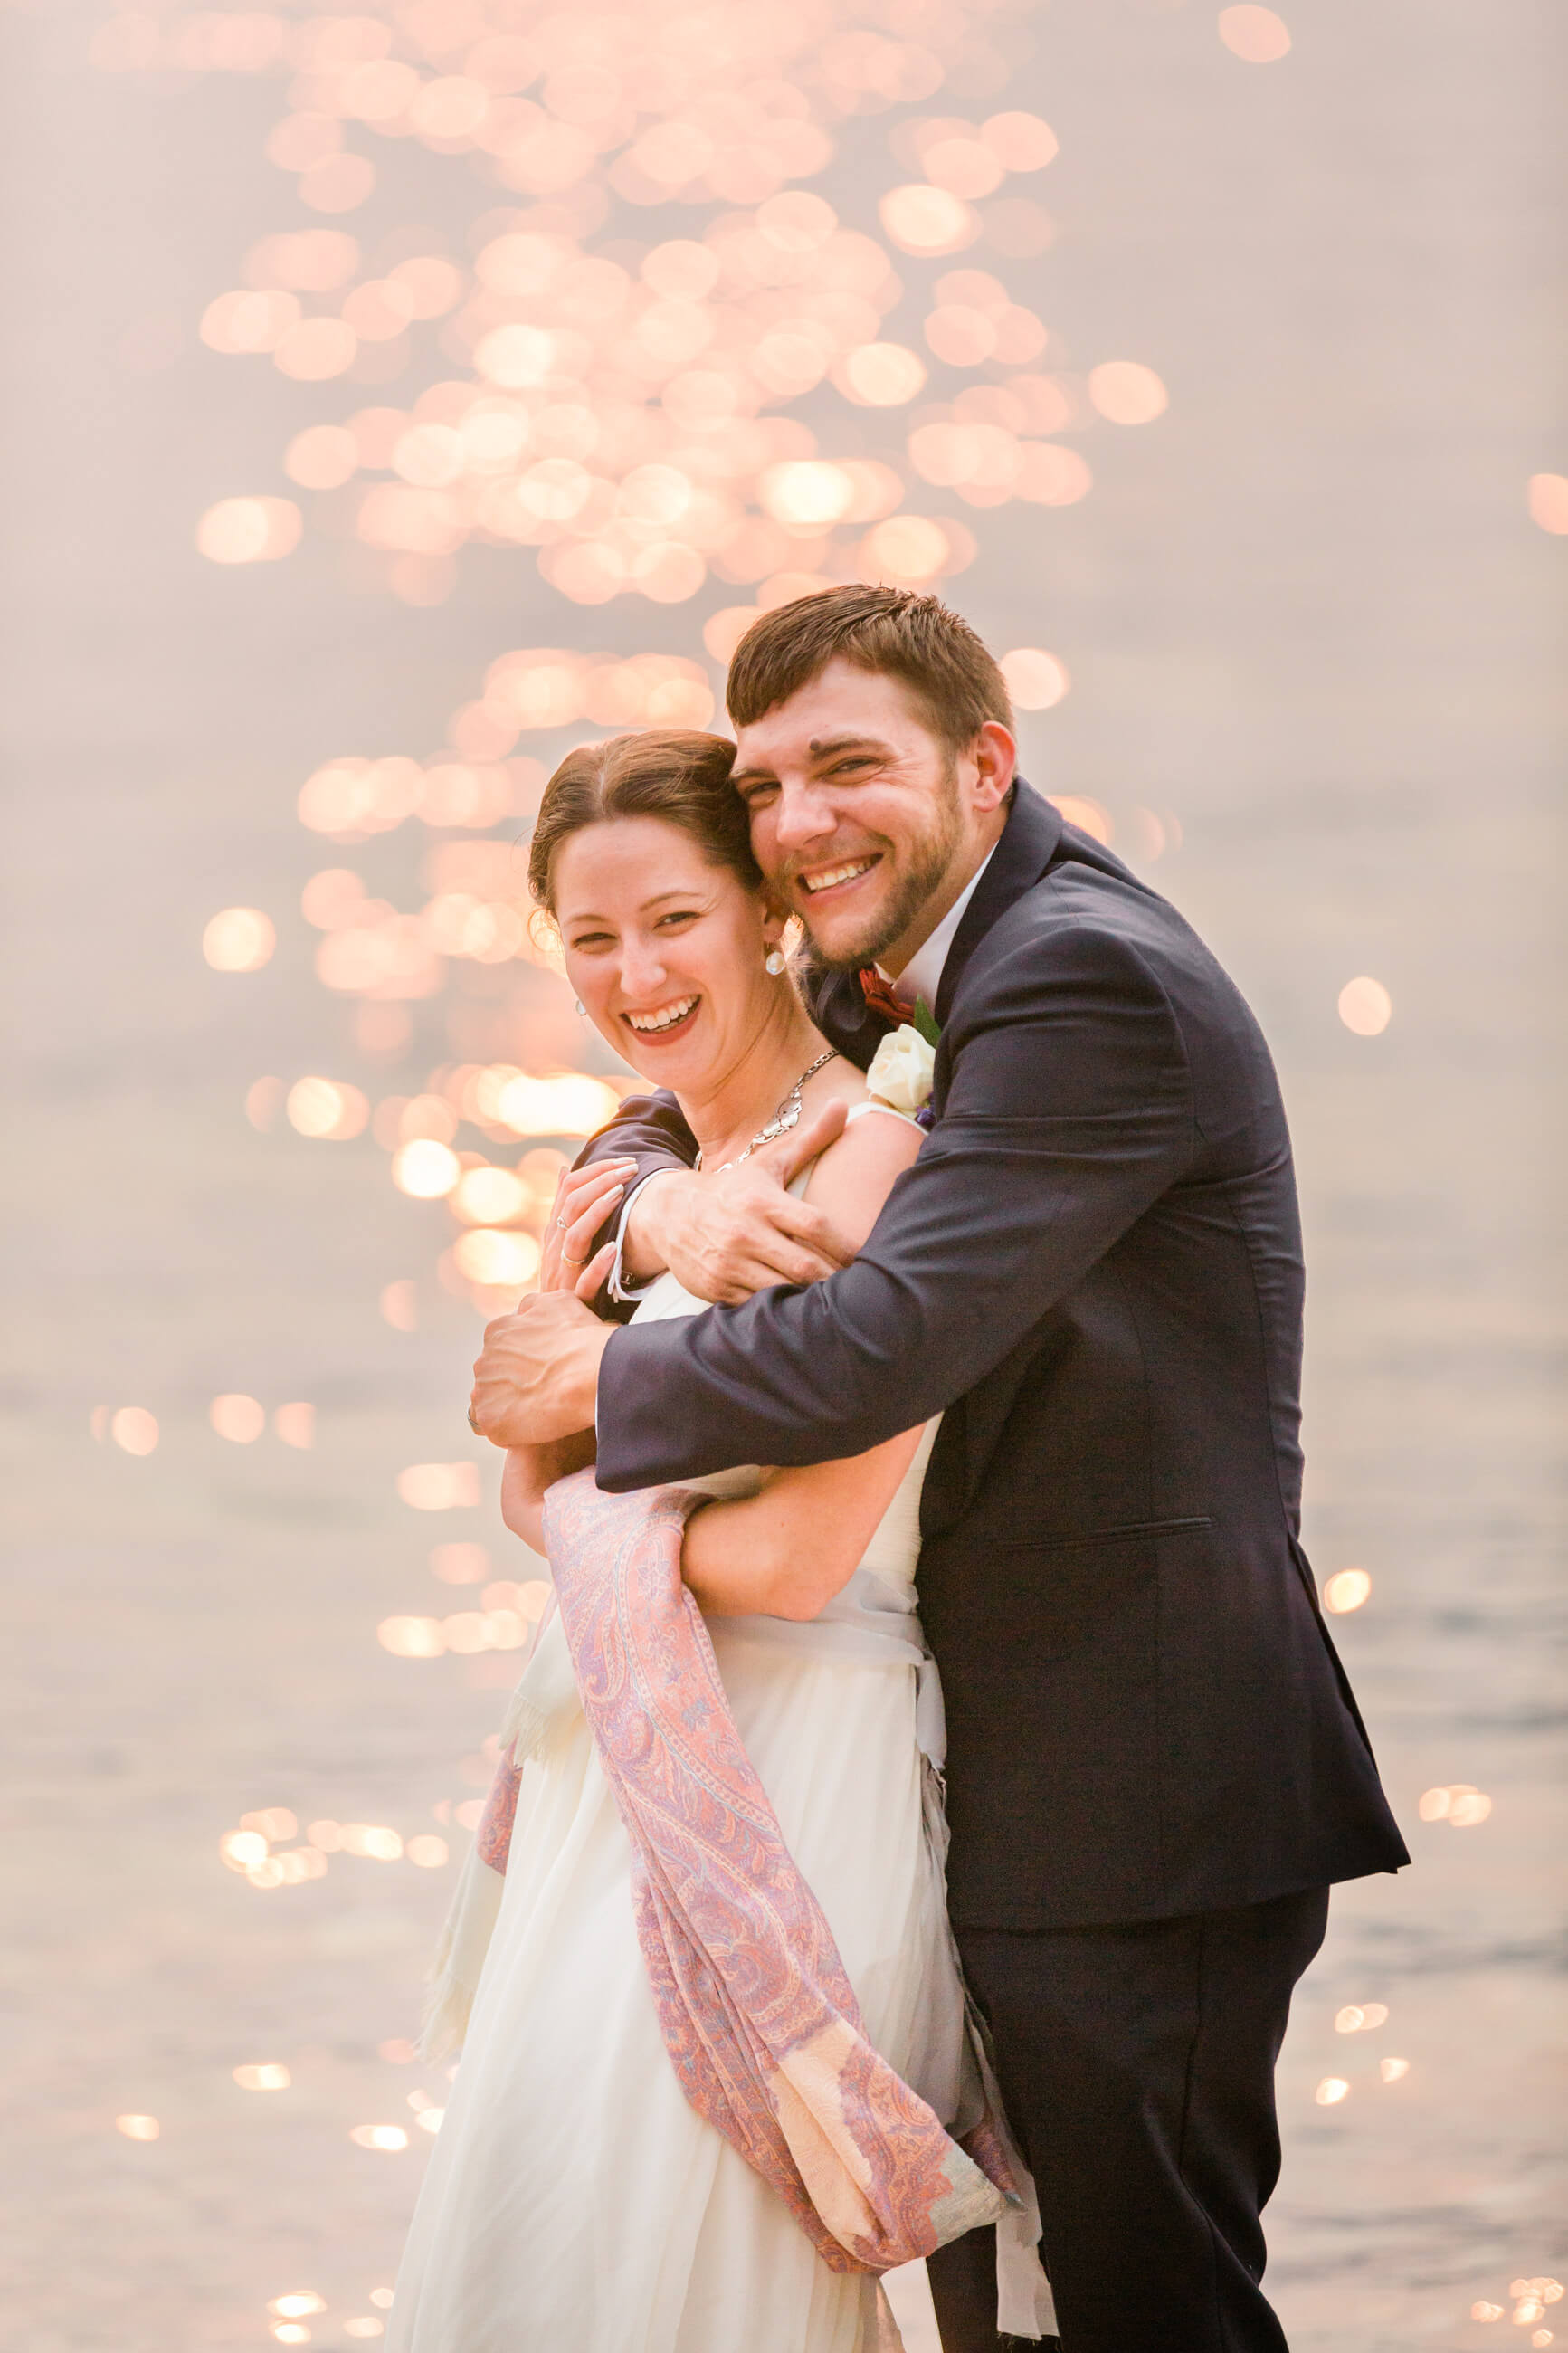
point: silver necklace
(786, 1116)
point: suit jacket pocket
(1127, 1533)
(1093, 1597)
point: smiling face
(865, 822)
(666, 951)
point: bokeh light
(1548, 502)
(1091, 816)
(134, 1429)
(321, 458)
(1366, 1006)
(250, 531)
(926, 220)
(1347, 1590)
(460, 1564)
(881, 376)
(241, 939)
(373, 1841)
(400, 1305)
(137, 2127)
(1256, 34)
(1036, 680)
(411, 1638)
(1127, 392)
(239, 1419)
(503, 1261)
(425, 1169)
(327, 1110)
(1457, 1803)
(263, 1101)
(439, 1486)
(295, 1425)
(271, 1822)
(1020, 142)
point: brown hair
(894, 631)
(677, 774)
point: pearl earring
(773, 961)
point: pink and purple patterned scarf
(756, 2008)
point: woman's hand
(529, 1471)
(584, 1199)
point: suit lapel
(843, 1016)
(1030, 840)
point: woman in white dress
(574, 2202)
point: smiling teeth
(652, 1023)
(836, 874)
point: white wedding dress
(575, 2202)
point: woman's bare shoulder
(855, 1175)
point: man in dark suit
(1093, 1270)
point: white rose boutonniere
(902, 1070)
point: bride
(577, 2201)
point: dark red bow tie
(880, 997)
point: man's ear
(994, 752)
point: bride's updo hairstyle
(680, 775)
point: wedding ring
(473, 1425)
(567, 1258)
(562, 1224)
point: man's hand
(536, 1377)
(737, 1231)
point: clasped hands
(723, 1235)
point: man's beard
(926, 871)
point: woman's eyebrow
(588, 915)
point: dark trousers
(1137, 2067)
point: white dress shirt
(920, 977)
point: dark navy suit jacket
(1093, 1270)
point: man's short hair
(894, 631)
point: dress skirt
(574, 2201)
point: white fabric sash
(875, 1622)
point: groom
(1093, 1271)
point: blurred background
(394, 399)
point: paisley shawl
(754, 2000)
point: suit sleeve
(1068, 1112)
(650, 1129)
